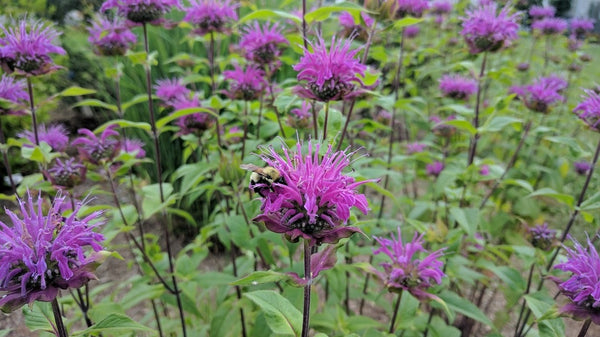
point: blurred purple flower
(329, 75)
(97, 150)
(171, 90)
(540, 12)
(523, 66)
(210, 16)
(141, 11)
(194, 123)
(580, 27)
(41, 254)
(484, 30)
(262, 45)
(441, 129)
(415, 147)
(440, 7)
(541, 236)
(583, 286)
(414, 8)
(484, 170)
(300, 117)
(589, 109)
(384, 117)
(411, 32)
(54, 135)
(111, 37)
(13, 91)
(542, 93)
(406, 270)
(582, 167)
(134, 146)
(66, 174)
(550, 26)
(457, 87)
(314, 200)
(353, 28)
(245, 84)
(435, 168)
(27, 48)
(323, 260)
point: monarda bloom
(95, 149)
(13, 92)
(441, 129)
(66, 174)
(54, 135)
(353, 28)
(26, 48)
(111, 37)
(539, 12)
(262, 45)
(415, 147)
(583, 286)
(300, 118)
(589, 110)
(134, 147)
(582, 167)
(141, 11)
(434, 169)
(542, 94)
(457, 87)
(44, 252)
(194, 123)
(550, 26)
(441, 7)
(485, 30)
(580, 27)
(312, 199)
(210, 16)
(407, 270)
(541, 236)
(245, 84)
(171, 91)
(329, 74)
(414, 8)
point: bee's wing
(250, 167)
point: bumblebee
(262, 178)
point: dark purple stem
(395, 314)
(61, 331)
(308, 278)
(473, 148)
(245, 129)
(304, 24)
(32, 108)
(584, 328)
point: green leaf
(41, 153)
(76, 91)
(548, 192)
(4, 332)
(519, 182)
(267, 14)
(498, 123)
(96, 103)
(322, 13)
(39, 317)
(467, 218)
(407, 21)
(591, 203)
(113, 324)
(465, 307)
(135, 100)
(124, 124)
(281, 316)
(461, 125)
(259, 277)
(180, 113)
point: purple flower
(539, 12)
(523, 66)
(484, 170)
(580, 27)
(66, 174)
(262, 44)
(484, 30)
(441, 129)
(457, 87)
(300, 117)
(415, 147)
(134, 146)
(245, 84)
(574, 43)
(583, 286)
(354, 28)
(97, 150)
(27, 48)
(541, 236)
(42, 253)
(435, 168)
(111, 37)
(54, 135)
(141, 11)
(441, 7)
(589, 109)
(323, 260)
(383, 116)
(550, 26)
(407, 271)
(542, 94)
(329, 75)
(411, 32)
(415, 8)
(13, 91)
(582, 167)
(194, 123)
(171, 90)
(210, 16)
(314, 198)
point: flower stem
(584, 328)
(308, 278)
(314, 118)
(304, 24)
(395, 314)
(522, 311)
(176, 291)
(32, 108)
(211, 65)
(6, 162)
(245, 129)
(260, 111)
(325, 122)
(61, 331)
(473, 147)
(510, 164)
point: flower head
(171, 90)
(550, 26)
(353, 28)
(407, 271)
(134, 146)
(300, 117)
(580, 27)
(484, 170)
(329, 75)
(42, 253)
(13, 91)
(582, 167)
(583, 286)
(141, 11)
(210, 16)
(541, 236)
(523, 66)
(540, 12)
(589, 109)
(413, 8)
(96, 150)
(415, 147)
(441, 7)
(458, 87)
(442, 129)
(194, 123)
(27, 48)
(66, 174)
(54, 135)
(411, 32)
(314, 199)
(484, 30)
(245, 84)
(262, 45)
(435, 168)
(542, 93)
(111, 37)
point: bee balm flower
(13, 91)
(111, 37)
(246, 84)
(94, 149)
(458, 87)
(262, 45)
(141, 11)
(210, 16)
(42, 253)
(589, 110)
(484, 30)
(550, 26)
